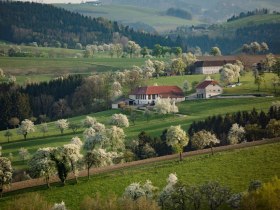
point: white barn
(208, 88)
(149, 94)
(210, 66)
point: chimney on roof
(208, 78)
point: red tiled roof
(205, 83)
(162, 91)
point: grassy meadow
(189, 112)
(235, 169)
(247, 80)
(45, 69)
(131, 15)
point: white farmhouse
(149, 94)
(208, 88)
(210, 66)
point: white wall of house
(208, 70)
(149, 99)
(209, 91)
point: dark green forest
(25, 22)
(268, 33)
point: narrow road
(38, 182)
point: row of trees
(211, 195)
(255, 47)
(263, 11)
(257, 125)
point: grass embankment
(190, 110)
(234, 168)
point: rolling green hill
(210, 11)
(190, 111)
(235, 169)
(152, 18)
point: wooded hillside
(24, 22)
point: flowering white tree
(89, 121)
(148, 69)
(26, 126)
(23, 154)
(44, 128)
(178, 66)
(136, 190)
(62, 124)
(173, 108)
(67, 158)
(177, 138)
(98, 127)
(230, 72)
(189, 58)
(116, 90)
(73, 155)
(159, 67)
(105, 158)
(59, 206)
(203, 139)
(91, 158)
(119, 120)
(77, 141)
(115, 139)
(235, 134)
(6, 173)
(162, 105)
(89, 132)
(165, 194)
(133, 48)
(41, 164)
(97, 140)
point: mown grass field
(130, 14)
(252, 20)
(189, 110)
(247, 80)
(234, 169)
(42, 69)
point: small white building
(210, 66)
(208, 88)
(149, 94)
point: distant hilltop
(93, 2)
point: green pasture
(43, 51)
(131, 14)
(247, 83)
(189, 111)
(235, 169)
(252, 20)
(39, 69)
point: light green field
(252, 20)
(248, 85)
(235, 169)
(189, 110)
(40, 69)
(130, 14)
(47, 51)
